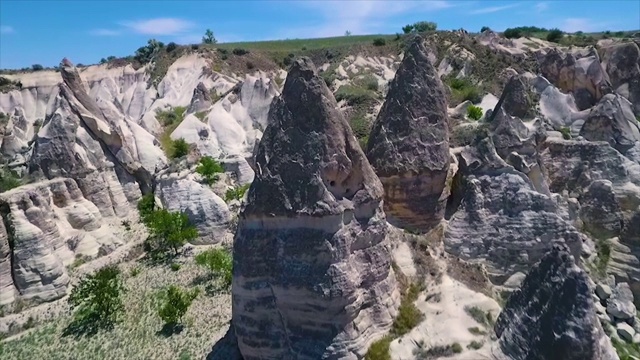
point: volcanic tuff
(552, 316)
(312, 271)
(409, 143)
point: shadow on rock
(226, 348)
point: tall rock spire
(312, 276)
(409, 143)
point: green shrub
(379, 42)
(171, 46)
(566, 133)
(420, 26)
(408, 314)
(219, 262)
(354, 95)
(8, 180)
(146, 206)
(147, 53)
(367, 81)
(171, 116)
(37, 67)
(135, 271)
(208, 37)
(484, 318)
(512, 33)
(201, 115)
(236, 193)
(209, 168)
(484, 28)
(463, 89)
(474, 345)
(554, 35)
(240, 51)
(168, 231)
(603, 249)
(407, 28)
(456, 348)
(474, 112)
(175, 303)
(379, 350)
(180, 148)
(476, 331)
(175, 266)
(97, 300)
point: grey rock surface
(600, 211)
(603, 291)
(620, 304)
(201, 99)
(612, 120)
(312, 273)
(625, 331)
(622, 64)
(552, 316)
(409, 143)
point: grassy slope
(309, 44)
(137, 337)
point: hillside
(360, 197)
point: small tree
(484, 28)
(422, 26)
(379, 42)
(219, 262)
(146, 206)
(474, 112)
(175, 304)
(512, 33)
(208, 37)
(347, 33)
(8, 180)
(554, 35)
(169, 230)
(97, 300)
(37, 67)
(171, 46)
(180, 148)
(209, 168)
(407, 29)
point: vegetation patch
(435, 352)
(566, 133)
(626, 351)
(236, 193)
(170, 119)
(379, 350)
(210, 169)
(7, 85)
(462, 90)
(474, 112)
(355, 95)
(219, 262)
(480, 316)
(9, 179)
(174, 305)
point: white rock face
(206, 210)
(46, 226)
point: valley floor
(140, 335)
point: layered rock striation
(552, 315)
(312, 270)
(409, 143)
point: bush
(219, 262)
(422, 26)
(97, 301)
(208, 37)
(512, 33)
(171, 46)
(367, 81)
(240, 51)
(462, 90)
(146, 206)
(180, 148)
(474, 112)
(209, 168)
(172, 116)
(354, 94)
(379, 350)
(480, 316)
(379, 42)
(168, 231)
(175, 266)
(408, 314)
(8, 180)
(484, 28)
(250, 65)
(134, 271)
(236, 193)
(474, 345)
(175, 303)
(146, 54)
(566, 133)
(407, 29)
(37, 67)
(555, 35)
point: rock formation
(612, 120)
(502, 220)
(552, 316)
(409, 143)
(312, 270)
(201, 99)
(622, 63)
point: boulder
(620, 304)
(625, 331)
(622, 64)
(409, 143)
(600, 211)
(201, 99)
(312, 273)
(603, 291)
(552, 316)
(612, 120)
(518, 100)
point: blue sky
(45, 31)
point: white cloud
(104, 32)
(492, 9)
(5, 29)
(159, 26)
(542, 6)
(359, 17)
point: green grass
(139, 335)
(625, 350)
(408, 314)
(484, 318)
(566, 133)
(309, 44)
(9, 179)
(475, 345)
(462, 90)
(379, 350)
(474, 112)
(355, 95)
(477, 331)
(236, 193)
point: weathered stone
(620, 304)
(625, 331)
(612, 120)
(201, 99)
(518, 99)
(603, 291)
(312, 270)
(409, 143)
(622, 63)
(552, 315)
(600, 211)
